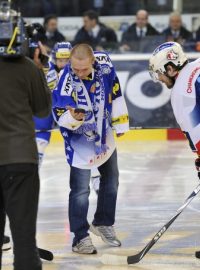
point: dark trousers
(79, 198)
(19, 190)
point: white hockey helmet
(168, 52)
(61, 50)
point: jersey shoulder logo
(103, 59)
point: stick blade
(197, 254)
(134, 259)
(109, 259)
(45, 254)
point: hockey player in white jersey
(169, 65)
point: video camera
(12, 31)
(31, 33)
(17, 38)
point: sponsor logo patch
(171, 55)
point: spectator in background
(197, 40)
(176, 31)
(132, 37)
(95, 33)
(51, 35)
(198, 34)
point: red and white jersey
(185, 100)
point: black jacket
(49, 41)
(106, 38)
(24, 93)
(138, 44)
(197, 35)
(130, 35)
(184, 34)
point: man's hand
(77, 116)
(197, 164)
(41, 50)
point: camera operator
(24, 93)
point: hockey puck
(197, 254)
(45, 254)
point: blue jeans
(79, 197)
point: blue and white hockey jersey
(185, 99)
(43, 125)
(51, 75)
(89, 143)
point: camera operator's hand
(37, 55)
(43, 48)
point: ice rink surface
(155, 179)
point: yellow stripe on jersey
(45, 70)
(52, 85)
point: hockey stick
(45, 254)
(121, 260)
(131, 128)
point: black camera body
(17, 38)
(12, 31)
(31, 38)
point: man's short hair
(175, 14)
(82, 51)
(143, 11)
(49, 17)
(91, 14)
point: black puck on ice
(197, 254)
(45, 254)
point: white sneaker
(107, 234)
(95, 182)
(85, 246)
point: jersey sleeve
(65, 119)
(63, 97)
(189, 120)
(120, 119)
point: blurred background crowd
(136, 35)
